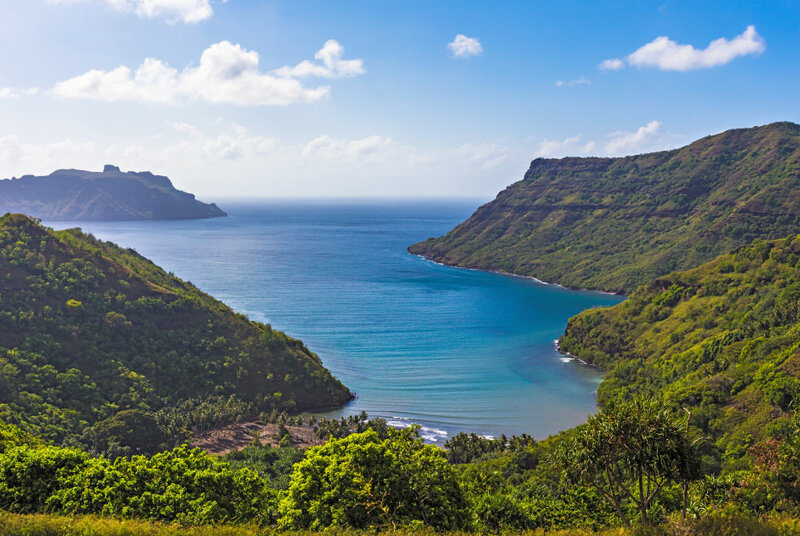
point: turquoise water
(448, 348)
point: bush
(363, 480)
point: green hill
(92, 334)
(722, 340)
(615, 223)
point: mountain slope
(91, 332)
(614, 223)
(71, 194)
(722, 339)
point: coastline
(557, 344)
(510, 274)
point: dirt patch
(238, 436)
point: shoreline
(510, 274)
(557, 344)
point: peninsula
(615, 223)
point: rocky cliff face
(71, 194)
(615, 223)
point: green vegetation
(101, 348)
(52, 525)
(400, 485)
(362, 481)
(722, 340)
(615, 223)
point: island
(108, 195)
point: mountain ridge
(90, 332)
(614, 223)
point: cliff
(615, 223)
(74, 195)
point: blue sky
(228, 98)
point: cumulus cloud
(667, 55)
(340, 149)
(28, 157)
(572, 83)
(188, 11)
(623, 142)
(332, 66)
(463, 46)
(650, 137)
(227, 73)
(572, 146)
(612, 64)
(13, 93)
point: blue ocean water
(448, 348)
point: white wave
(427, 433)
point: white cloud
(572, 83)
(28, 157)
(227, 73)
(463, 46)
(362, 149)
(13, 93)
(188, 11)
(644, 138)
(613, 64)
(650, 137)
(332, 66)
(567, 147)
(667, 55)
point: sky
(261, 98)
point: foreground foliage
(102, 348)
(363, 480)
(615, 223)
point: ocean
(447, 348)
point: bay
(448, 348)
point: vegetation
(721, 340)
(362, 481)
(366, 482)
(615, 223)
(53, 525)
(101, 348)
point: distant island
(108, 195)
(615, 223)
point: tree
(362, 480)
(628, 451)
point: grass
(53, 525)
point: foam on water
(427, 433)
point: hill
(97, 342)
(615, 223)
(71, 194)
(722, 340)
